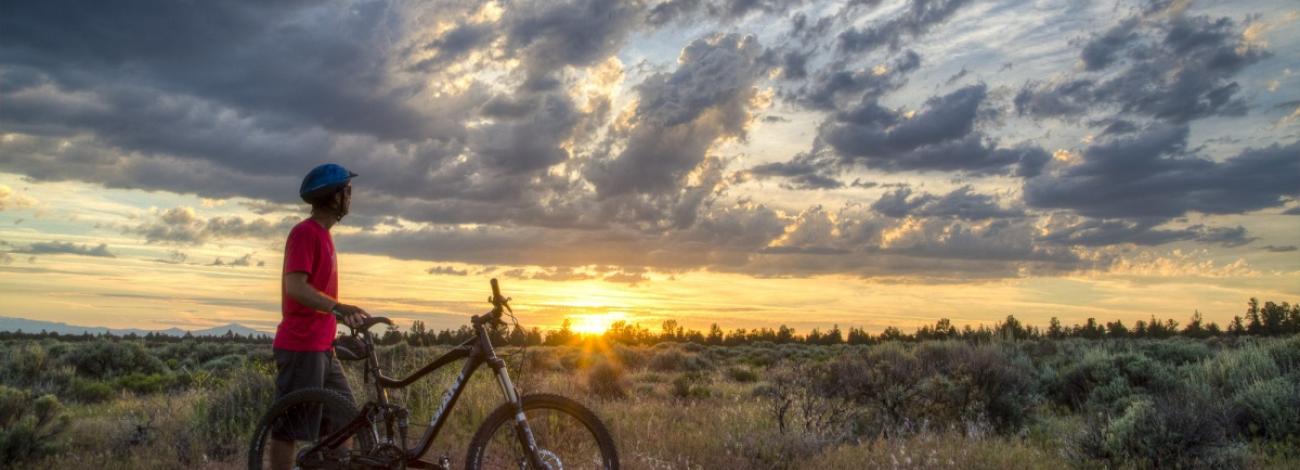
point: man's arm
(298, 289)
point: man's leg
(282, 453)
(295, 370)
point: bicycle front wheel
(568, 436)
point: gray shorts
(306, 369)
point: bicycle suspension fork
(522, 430)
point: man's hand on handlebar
(351, 315)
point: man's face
(346, 197)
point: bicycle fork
(522, 430)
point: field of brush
(1228, 402)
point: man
(303, 350)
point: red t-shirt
(308, 250)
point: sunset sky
(746, 162)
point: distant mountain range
(36, 326)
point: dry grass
(722, 422)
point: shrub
(89, 391)
(741, 374)
(1180, 429)
(227, 415)
(1234, 371)
(1077, 382)
(607, 380)
(106, 359)
(691, 385)
(145, 383)
(629, 357)
(28, 428)
(1269, 409)
(25, 364)
(1175, 352)
(676, 361)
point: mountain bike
(536, 431)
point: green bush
(742, 374)
(28, 428)
(146, 383)
(607, 380)
(1186, 428)
(1176, 351)
(89, 390)
(108, 359)
(1232, 372)
(676, 361)
(25, 364)
(1077, 382)
(691, 385)
(227, 415)
(1269, 409)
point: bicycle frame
(476, 351)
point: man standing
(304, 356)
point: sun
(594, 324)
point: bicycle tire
(505, 414)
(335, 408)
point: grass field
(1135, 403)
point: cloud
(242, 261)
(939, 137)
(57, 247)
(632, 279)
(447, 271)
(12, 200)
(917, 18)
(1100, 232)
(1151, 174)
(667, 11)
(962, 203)
(681, 114)
(1279, 249)
(180, 225)
(1164, 64)
(548, 34)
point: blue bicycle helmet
(324, 180)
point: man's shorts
(306, 369)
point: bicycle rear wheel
(297, 422)
(568, 436)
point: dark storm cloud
(681, 114)
(833, 86)
(457, 43)
(664, 12)
(1151, 174)
(549, 34)
(1098, 232)
(803, 172)
(939, 137)
(916, 20)
(67, 248)
(1166, 65)
(962, 203)
(287, 61)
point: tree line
(1268, 319)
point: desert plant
(28, 428)
(1184, 428)
(1269, 409)
(228, 414)
(607, 380)
(741, 374)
